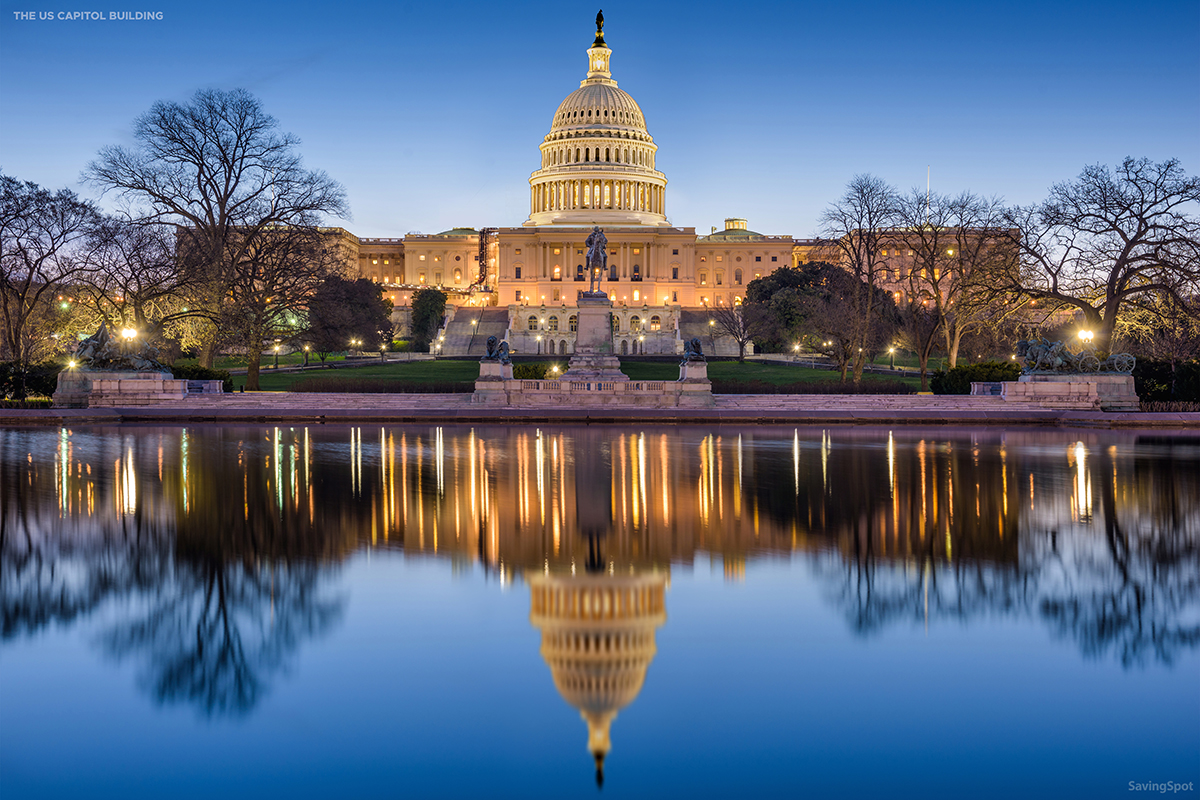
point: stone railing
(598, 393)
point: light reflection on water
(211, 558)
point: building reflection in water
(1093, 534)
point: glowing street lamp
(306, 355)
(1086, 336)
(276, 356)
(892, 353)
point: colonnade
(565, 195)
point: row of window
(637, 296)
(635, 323)
(704, 259)
(584, 155)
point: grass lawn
(267, 361)
(405, 372)
(418, 372)
(766, 371)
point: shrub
(327, 384)
(1170, 406)
(1157, 381)
(195, 372)
(959, 379)
(810, 387)
(40, 379)
(536, 371)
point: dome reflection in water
(224, 545)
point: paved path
(266, 407)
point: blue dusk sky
(431, 114)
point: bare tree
(1110, 240)
(272, 287)
(856, 227)
(740, 322)
(219, 169)
(957, 246)
(40, 235)
(135, 279)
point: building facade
(597, 169)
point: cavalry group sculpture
(1041, 356)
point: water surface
(525, 612)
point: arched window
(577, 154)
(458, 276)
(550, 347)
(624, 347)
(562, 346)
(579, 272)
(612, 272)
(616, 322)
(587, 154)
(656, 323)
(573, 323)
(607, 155)
(737, 277)
(532, 323)
(636, 274)
(704, 279)
(557, 273)
(635, 323)
(553, 324)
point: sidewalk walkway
(268, 407)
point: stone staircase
(466, 339)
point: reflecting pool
(475, 611)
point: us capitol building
(597, 168)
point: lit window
(517, 251)
(720, 258)
(655, 323)
(421, 257)
(737, 277)
(702, 259)
(532, 323)
(637, 296)
(573, 322)
(557, 251)
(553, 323)
(635, 323)
(421, 278)
(703, 278)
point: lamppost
(306, 355)
(892, 353)
(539, 342)
(276, 356)
(796, 352)
(1086, 337)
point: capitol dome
(598, 159)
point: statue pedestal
(1096, 392)
(490, 385)
(593, 359)
(694, 372)
(97, 389)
